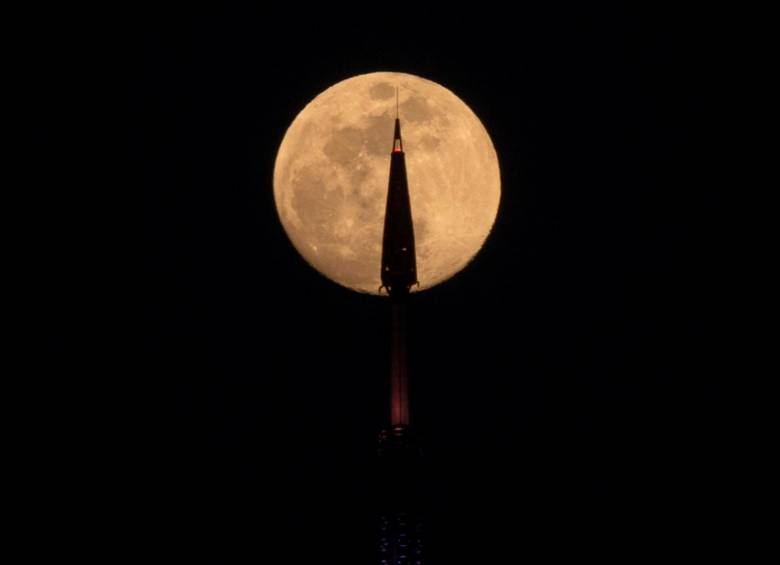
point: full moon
(332, 168)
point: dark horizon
(569, 387)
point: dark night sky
(569, 385)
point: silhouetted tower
(399, 272)
(399, 535)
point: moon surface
(332, 168)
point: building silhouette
(399, 454)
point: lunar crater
(416, 109)
(382, 91)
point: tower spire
(399, 270)
(398, 144)
(400, 538)
(399, 263)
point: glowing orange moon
(331, 174)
